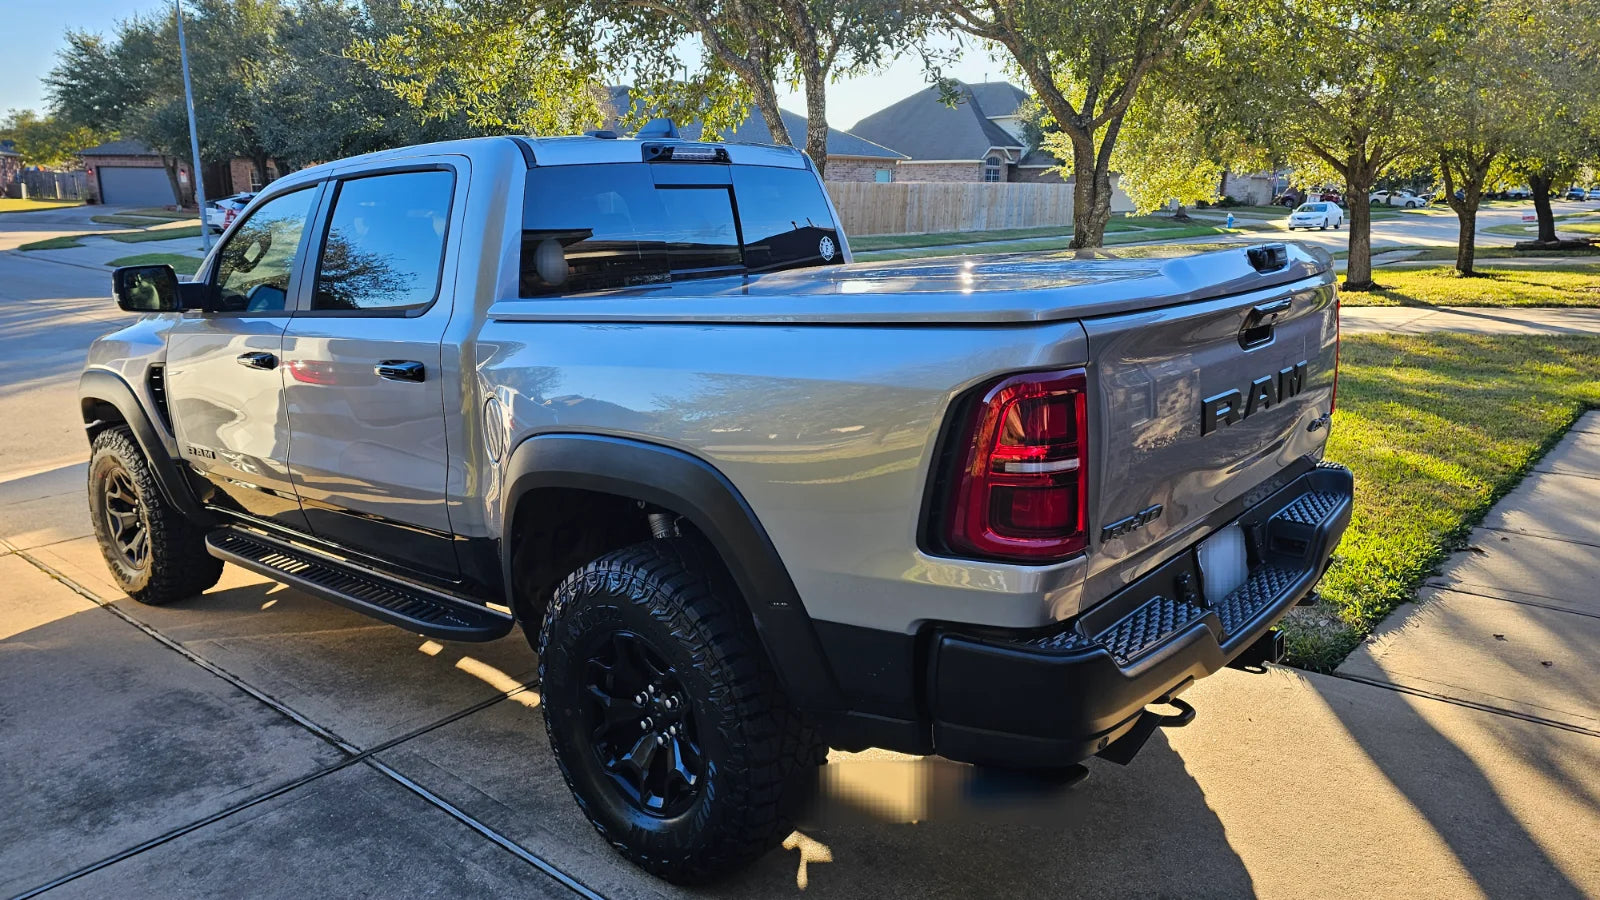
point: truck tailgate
(1192, 406)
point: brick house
(129, 173)
(10, 167)
(850, 157)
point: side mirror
(146, 289)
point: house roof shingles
(922, 127)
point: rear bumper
(1050, 698)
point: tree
(1086, 61)
(1558, 126)
(133, 84)
(503, 67)
(318, 102)
(116, 86)
(45, 140)
(460, 55)
(1331, 83)
(1471, 118)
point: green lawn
(1436, 429)
(1562, 284)
(8, 205)
(183, 265)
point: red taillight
(1020, 490)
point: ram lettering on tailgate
(1231, 406)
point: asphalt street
(256, 742)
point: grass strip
(157, 212)
(1042, 244)
(183, 265)
(1449, 253)
(9, 205)
(127, 220)
(1577, 284)
(62, 242)
(1436, 429)
(158, 234)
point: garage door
(134, 186)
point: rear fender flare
(674, 480)
(100, 386)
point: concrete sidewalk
(1512, 623)
(1469, 320)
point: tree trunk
(179, 195)
(1358, 267)
(817, 117)
(1091, 196)
(1540, 185)
(1467, 215)
(767, 102)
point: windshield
(1313, 207)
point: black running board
(410, 606)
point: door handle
(401, 370)
(258, 360)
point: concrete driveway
(256, 742)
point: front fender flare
(691, 487)
(101, 386)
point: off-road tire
(759, 754)
(175, 565)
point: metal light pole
(194, 133)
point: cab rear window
(607, 226)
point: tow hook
(1122, 750)
(1269, 648)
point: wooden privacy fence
(56, 185)
(922, 207)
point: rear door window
(594, 227)
(785, 218)
(618, 225)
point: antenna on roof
(658, 128)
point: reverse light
(1019, 491)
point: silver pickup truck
(747, 499)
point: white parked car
(221, 213)
(1320, 214)
(1398, 198)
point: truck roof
(567, 150)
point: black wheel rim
(127, 526)
(641, 726)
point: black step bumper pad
(1056, 697)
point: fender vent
(156, 381)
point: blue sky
(34, 28)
